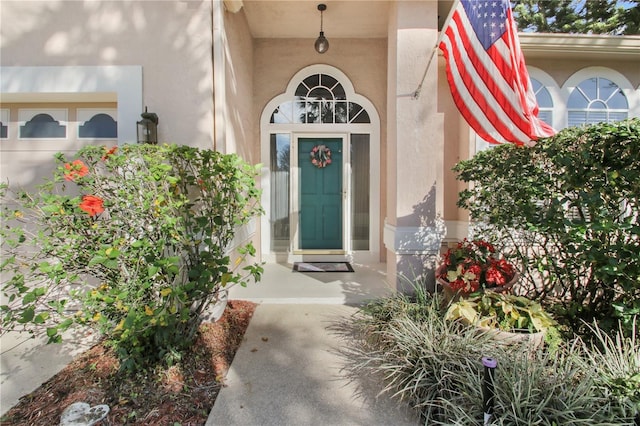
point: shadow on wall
(419, 250)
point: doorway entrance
(320, 189)
(320, 145)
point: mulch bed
(182, 394)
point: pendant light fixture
(322, 44)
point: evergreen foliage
(578, 16)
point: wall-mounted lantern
(148, 128)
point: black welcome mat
(322, 267)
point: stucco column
(412, 236)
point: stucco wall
(415, 144)
(241, 126)
(562, 70)
(362, 60)
(455, 148)
(171, 40)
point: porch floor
(281, 285)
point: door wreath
(320, 156)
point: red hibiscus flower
(109, 152)
(75, 169)
(92, 205)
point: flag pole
(416, 93)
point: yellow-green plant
(135, 241)
(502, 311)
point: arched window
(43, 125)
(595, 100)
(319, 98)
(545, 103)
(97, 124)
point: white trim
(125, 81)
(559, 104)
(604, 47)
(373, 129)
(633, 96)
(85, 114)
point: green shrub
(135, 240)
(421, 358)
(615, 362)
(435, 366)
(567, 212)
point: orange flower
(75, 170)
(109, 152)
(92, 205)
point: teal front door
(320, 193)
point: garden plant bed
(182, 394)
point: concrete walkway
(288, 372)
(26, 363)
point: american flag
(487, 74)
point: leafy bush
(135, 239)
(567, 212)
(435, 366)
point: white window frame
(83, 115)
(632, 95)
(4, 119)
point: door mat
(322, 267)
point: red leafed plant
(473, 265)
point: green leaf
(97, 260)
(111, 263)
(27, 315)
(28, 298)
(41, 318)
(152, 270)
(112, 253)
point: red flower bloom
(92, 205)
(495, 277)
(75, 170)
(472, 265)
(476, 270)
(109, 152)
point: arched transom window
(319, 98)
(596, 100)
